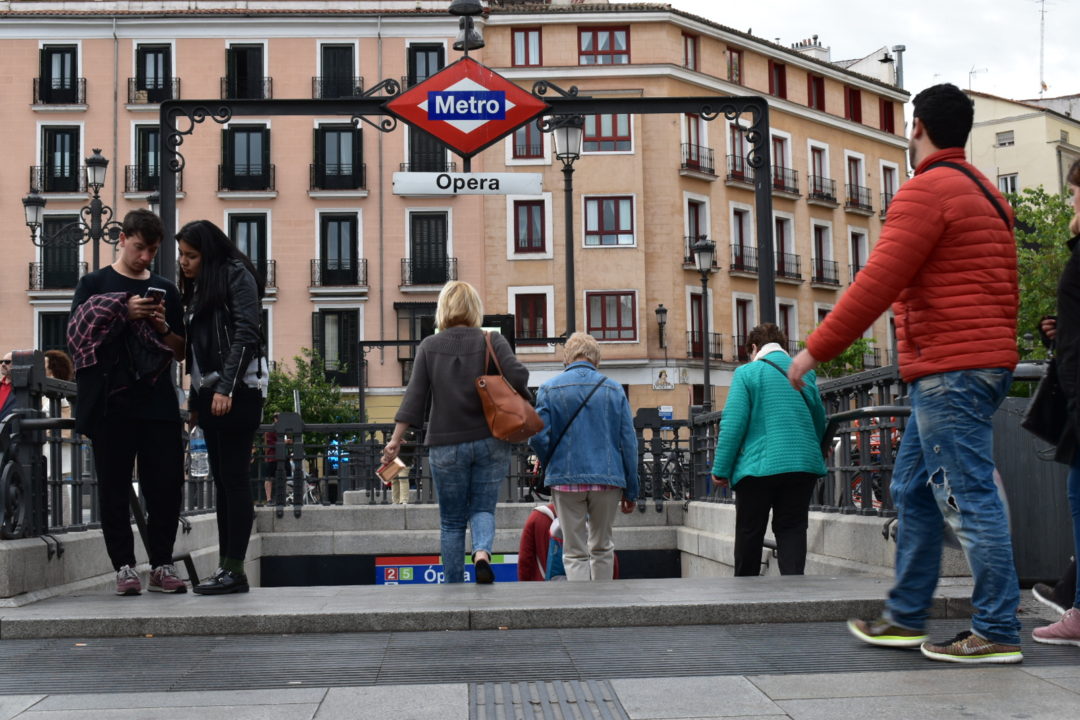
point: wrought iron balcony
(140, 178)
(689, 256)
(152, 91)
(340, 272)
(55, 276)
(787, 266)
(744, 259)
(338, 176)
(331, 87)
(785, 180)
(739, 170)
(60, 91)
(434, 271)
(886, 200)
(714, 343)
(698, 158)
(853, 270)
(246, 178)
(528, 152)
(434, 163)
(48, 179)
(822, 189)
(742, 348)
(872, 359)
(826, 272)
(247, 88)
(857, 198)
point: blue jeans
(467, 478)
(945, 469)
(1074, 506)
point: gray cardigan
(445, 370)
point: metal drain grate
(559, 700)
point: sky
(991, 46)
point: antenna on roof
(1042, 43)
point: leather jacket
(226, 339)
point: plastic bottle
(200, 461)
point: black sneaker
(223, 582)
(883, 633)
(1045, 594)
(484, 574)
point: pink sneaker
(165, 580)
(1065, 631)
(127, 581)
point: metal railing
(857, 197)
(60, 91)
(714, 343)
(48, 179)
(47, 276)
(886, 200)
(240, 178)
(689, 256)
(826, 272)
(332, 87)
(699, 158)
(822, 188)
(338, 273)
(428, 272)
(435, 163)
(785, 179)
(337, 176)
(255, 88)
(140, 178)
(742, 348)
(853, 270)
(739, 170)
(787, 266)
(532, 151)
(152, 91)
(744, 259)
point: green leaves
(321, 400)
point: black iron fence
(55, 275)
(428, 271)
(338, 272)
(144, 178)
(699, 158)
(744, 258)
(332, 86)
(822, 189)
(697, 342)
(785, 180)
(60, 91)
(857, 197)
(337, 176)
(62, 178)
(152, 91)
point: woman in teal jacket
(769, 451)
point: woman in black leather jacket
(222, 310)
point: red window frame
(594, 56)
(887, 114)
(691, 48)
(594, 140)
(530, 317)
(853, 104)
(523, 35)
(734, 65)
(533, 146)
(608, 329)
(525, 241)
(595, 237)
(777, 79)
(815, 92)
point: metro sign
(467, 106)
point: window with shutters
(52, 331)
(245, 162)
(244, 74)
(424, 60)
(336, 336)
(58, 82)
(248, 231)
(428, 263)
(338, 249)
(153, 74)
(338, 158)
(59, 268)
(815, 91)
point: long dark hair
(217, 250)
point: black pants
(230, 462)
(788, 497)
(160, 450)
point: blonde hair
(459, 304)
(582, 346)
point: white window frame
(511, 220)
(584, 220)
(512, 291)
(638, 330)
(406, 251)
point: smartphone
(155, 294)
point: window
(604, 46)
(337, 79)
(244, 73)
(528, 142)
(58, 82)
(744, 319)
(888, 115)
(336, 336)
(52, 331)
(822, 313)
(529, 226)
(428, 261)
(1007, 183)
(338, 249)
(248, 231)
(740, 228)
(606, 133)
(424, 61)
(609, 221)
(854, 170)
(785, 320)
(888, 186)
(858, 252)
(338, 158)
(1005, 139)
(815, 92)
(697, 226)
(779, 151)
(819, 165)
(611, 315)
(61, 162)
(527, 51)
(777, 79)
(530, 317)
(690, 51)
(853, 104)
(825, 269)
(246, 158)
(782, 241)
(147, 175)
(426, 152)
(734, 65)
(1064, 135)
(738, 169)
(153, 73)
(59, 269)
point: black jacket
(225, 339)
(1067, 347)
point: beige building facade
(348, 261)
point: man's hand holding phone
(152, 307)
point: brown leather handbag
(509, 415)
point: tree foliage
(321, 400)
(852, 360)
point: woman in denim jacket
(594, 466)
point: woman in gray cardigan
(467, 463)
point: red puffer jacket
(949, 263)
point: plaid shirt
(100, 319)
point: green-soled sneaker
(967, 647)
(883, 633)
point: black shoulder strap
(989, 196)
(781, 371)
(551, 452)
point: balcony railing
(437, 271)
(853, 270)
(714, 344)
(140, 178)
(857, 197)
(739, 170)
(408, 81)
(785, 179)
(71, 179)
(742, 348)
(48, 276)
(247, 88)
(872, 359)
(153, 91)
(826, 272)
(246, 177)
(338, 176)
(429, 164)
(822, 188)
(699, 158)
(886, 200)
(744, 259)
(339, 272)
(60, 91)
(688, 252)
(331, 87)
(787, 266)
(528, 152)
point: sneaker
(967, 647)
(127, 581)
(1065, 631)
(1045, 594)
(883, 633)
(164, 579)
(223, 582)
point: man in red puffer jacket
(946, 260)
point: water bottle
(200, 461)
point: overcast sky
(945, 39)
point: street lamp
(661, 321)
(704, 251)
(568, 131)
(469, 37)
(96, 223)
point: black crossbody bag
(537, 485)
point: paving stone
(1041, 701)
(217, 712)
(940, 679)
(12, 705)
(405, 702)
(96, 701)
(692, 697)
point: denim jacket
(600, 448)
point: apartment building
(348, 262)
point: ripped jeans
(945, 469)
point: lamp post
(661, 321)
(568, 131)
(96, 223)
(704, 252)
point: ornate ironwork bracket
(175, 139)
(388, 88)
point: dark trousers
(230, 462)
(160, 450)
(788, 497)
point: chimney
(812, 47)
